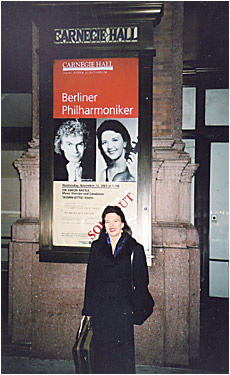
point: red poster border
(107, 87)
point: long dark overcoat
(108, 300)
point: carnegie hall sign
(96, 35)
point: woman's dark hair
(118, 211)
(117, 127)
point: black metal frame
(48, 18)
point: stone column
(175, 242)
(25, 231)
(170, 337)
(25, 237)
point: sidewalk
(28, 365)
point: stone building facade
(45, 299)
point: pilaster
(175, 246)
(25, 231)
(25, 236)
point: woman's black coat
(108, 291)
(108, 298)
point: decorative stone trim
(172, 173)
(26, 230)
(28, 168)
(188, 172)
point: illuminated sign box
(96, 35)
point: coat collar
(125, 241)
(120, 244)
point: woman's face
(113, 144)
(113, 225)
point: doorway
(205, 119)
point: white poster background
(78, 207)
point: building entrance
(218, 221)
(205, 116)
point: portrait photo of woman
(117, 158)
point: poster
(95, 110)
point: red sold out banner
(95, 88)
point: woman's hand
(132, 164)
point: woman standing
(115, 145)
(108, 293)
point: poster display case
(95, 130)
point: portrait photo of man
(74, 147)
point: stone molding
(172, 173)
(26, 230)
(165, 236)
(28, 168)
